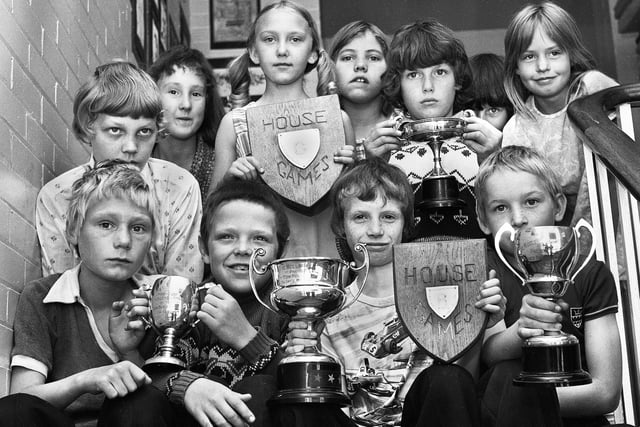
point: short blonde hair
(107, 179)
(117, 89)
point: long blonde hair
(240, 78)
(560, 27)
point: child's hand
(538, 315)
(383, 139)
(481, 137)
(212, 403)
(223, 315)
(344, 155)
(491, 300)
(126, 324)
(115, 380)
(248, 168)
(299, 337)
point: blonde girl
(546, 67)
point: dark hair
(192, 59)
(367, 180)
(425, 44)
(488, 82)
(249, 191)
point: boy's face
(113, 240)
(183, 95)
(520, 199)
(123, 138)
(496, 116)
(429, 92)
(376, 223)
(236, 229)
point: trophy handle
(496, 241)
(583, 223)
(260, 271)
(359, 247)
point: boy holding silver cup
(515, 186)
(71, 347)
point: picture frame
(139, 30)
(231, 22)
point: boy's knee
(23, 409)
(146, 406)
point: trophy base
(440, 191)
(552, 360)
(310, 378)
(163, 363)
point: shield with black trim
(295, 143)
(436, 284)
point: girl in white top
(546, 67)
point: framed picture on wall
(138, 31)
(231, 21)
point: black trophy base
(440, 192)
(310, 378)
(545, 362)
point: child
(71, 348)
(192, 112)
(284, 42)
(358, 51)
(116, 112)
(236, 344)
(547, 66)
(516, 186)
(490, 101)
(429, 76)
(374, 205)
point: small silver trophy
(309, 288)
(170, 302)
(546, 259)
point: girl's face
(496, 116)
(237, 228)
(183, 95)
(359, 68)
(283, 46)
(429, 92)
(545, 69)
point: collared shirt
(174, 250)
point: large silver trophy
(546, 259)
(309, 289)
(170, 303)
(439, 189)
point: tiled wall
(47, 48)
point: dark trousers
(25, 410)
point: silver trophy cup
(170, 302)
(309, 288)
(546, 259)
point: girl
(358, 51)
(284, 42)
(429, 76)
(547, 66)
(490, 101)
(192, 112)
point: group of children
(108, 228)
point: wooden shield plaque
(295, 142)
(436, 284)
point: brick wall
(47, 48)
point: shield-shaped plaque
(436, 284)
(295, 142)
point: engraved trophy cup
(170, 302)
(309, 288)
(546, 259)
(439, 189)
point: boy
(236, 344)
(71, 348)
(515, 185)
(373, 204)
(117, 112)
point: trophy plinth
(170, 302)
(546, 260)
(439, 189)
(309, 289)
